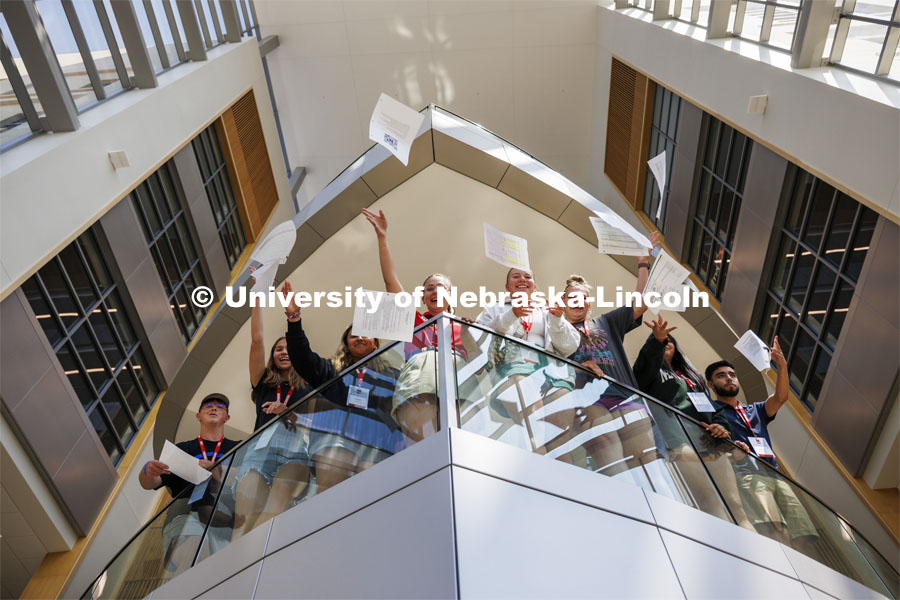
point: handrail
(429, 323)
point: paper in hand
(507, 249)
(612, 239)
(182, 464)
(755, 350)
(394, 126)
(667, 275)
(388, 321)
(271, 252)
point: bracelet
(144, 470)
(293, 314)
(646, 265)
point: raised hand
(291, 308)
(660, 329)
(778, 355)
(379, 221)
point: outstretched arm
(643, 275)
(782, 386)
(388, 270)
(257, 346)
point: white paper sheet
(388, 322)
(182, 464)
(755, 350)
(507, 249)
(667, 275)
(394, 126)
(612, 240)
(271, 252)
(657, 166)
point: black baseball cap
(215, 397)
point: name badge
(531, 356)
(199, 492)
(701, 402)
(265, 437)
(358, 397)
(761, 447)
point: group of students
(376, 410)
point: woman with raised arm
(351, 428)
(664, 372)
(275, 468)
(415, 399)
(542, 326)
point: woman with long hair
(275, 468)
(664, 372)
(414, 405)
(350, 427)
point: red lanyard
(203, 448)
(360, 373)
(740, 411)
(585, 332)
(686, 380)
(527, 324)
(278, 395)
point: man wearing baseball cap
(186, 518)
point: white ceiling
(523, 69)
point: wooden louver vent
(626, 130)
(251, 171)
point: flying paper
(667, 275)
(394, 126)
(506, 249)
(755, 350)
(612, 239)
(271, 252)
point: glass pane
(784, 259)
(800, 281)
(819, 296)
(840, 229)
(712, 140)
(118, 36)
(674, 108)
(664, 111)
(42, 310)
(168, 261)
(13, 125)
(784, 23)
(115, 409)
(799, 200)
(748, 150)
(769, 317)
(864, 44)
(104, 432)
(816, 379)
(60, 33)
(694, 256)
(885, 571)
(725, 262)
(724, 215)
(141, 369)
(186, 239)
(724, 149)
(96, 40)
(657, 105)
(77, 377)
(187, 312)
(165, 30)
(149, 41)
(159, 197)
(190, 283)
(735, 214)
(106, 337)
(818, 216)
(166, 174)
(181, 259)
(838, 314)
(65, 304)
(95, 261)
(703, 196)
(90, 357)
(78, 275)
(120, 320)
(734, 162)
(149, 219)
(786, 330)
(132, 394)
(706, 251)
(524, 398)
(860, 246)
(715, 198)
(803, 354)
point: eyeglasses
(214, 405)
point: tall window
(663, 136)
(821, 247)
(161, 210)
(218, 190)
(726, 154)
(79, 307)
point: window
(820, 249)
(723, 168)
(218, 190)
(663, 136)
(160, 208)
(76, 301)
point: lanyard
(527, 324)
(278, 395)
(686, 380)
(203, 448)
(743, 415)
(585, 332)
(360, 373)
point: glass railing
(319, 442)
(521, 395)
(500, 388)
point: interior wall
(435, 225)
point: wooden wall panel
(248, 164)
